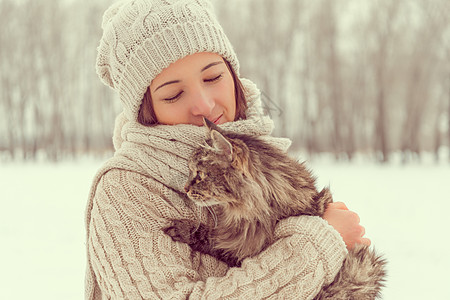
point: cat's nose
(186, 188)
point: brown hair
(147, 117)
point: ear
(222, 144)
(210, 125)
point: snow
(405, 212)
(42, 229)
(403, 208)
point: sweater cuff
(323, 236)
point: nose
(186, 188)
(202, 104)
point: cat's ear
(221, 144)
(210, 125)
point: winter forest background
(362, 87)
(342, 76)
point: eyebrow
(202, 70)
(212, 65)
(166, 83)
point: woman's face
(196, 86)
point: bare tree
(370, 88)
(384, 16)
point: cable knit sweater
(137, 192)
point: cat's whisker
(202, 145)
(205, 146)
(213, 214)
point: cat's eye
(200, 176)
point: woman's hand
(346, 222)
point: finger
(363, 231)
(365, 241)
(339, 205)
(356, 217)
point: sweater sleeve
(131, 258)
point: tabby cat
(249, 185)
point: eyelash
(177, 96)
(174, 98)
(214, 79)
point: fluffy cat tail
(321, 201)
(361, 277)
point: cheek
(227, 97)
(158, 110)
(170, 113)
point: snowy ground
(404, 210)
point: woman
(172, 64)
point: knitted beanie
(143, 37)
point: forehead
(186, 65)
(204, 157)
(199, 155)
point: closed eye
(214, 79)
(174, 98)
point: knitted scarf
(162, 151)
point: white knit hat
(143, 37)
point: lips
(216, 121)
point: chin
(224, 120)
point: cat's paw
(182, 231)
